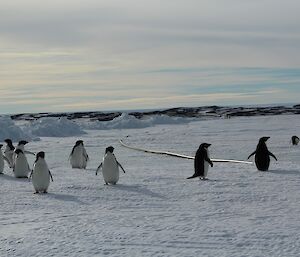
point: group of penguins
(41, 175)
(262, 157)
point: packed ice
(154, 210)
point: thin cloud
(119, 52)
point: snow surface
(154, 210)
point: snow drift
(126, 121)
(8, 129)
(54, 127)
(63, 127)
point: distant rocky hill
(204, 111)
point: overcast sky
(134, 54)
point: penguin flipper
(273, 156)
(251, 154)
(209, 161)
(206, 158)
(5, 158)
(50, 175)
(86, 156)
(30, 175)
(120, 166)
(99, 168)
(28, 152)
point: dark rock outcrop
(204, 111)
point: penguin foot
(191, 177)
(45, 192)
(36, 192)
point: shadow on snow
(138, 189)
(285, 172)
(12, 178)
(64, 197)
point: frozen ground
(154, 210)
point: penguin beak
(206, 145)
(264, 139)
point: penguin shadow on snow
(137, 189)
(12, 178)
(206, 180)
(89, 169)
(63, 197)
(285, 172)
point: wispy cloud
(177, 100)
(101, 54)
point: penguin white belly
(1, 163)
(14, 155)
(9, 155)
(110, 170)
(40, 177)
(206, 165)
(77, 159)
(21, 169)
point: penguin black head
(22, 142)
(204, 145)
(263, 139)
(78, 142)
(40, 155)
(109, 149)
(8, 141)
(18, 151)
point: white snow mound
(126, 121)
(8, 129)
(54, 127)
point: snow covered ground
(154, 210)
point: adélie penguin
(262, 155)
(202, 162)
(21, 146)
(295, 140)
(78, 156)
(9, 151)
(21, 167)
(40, 174)
(110, 167)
